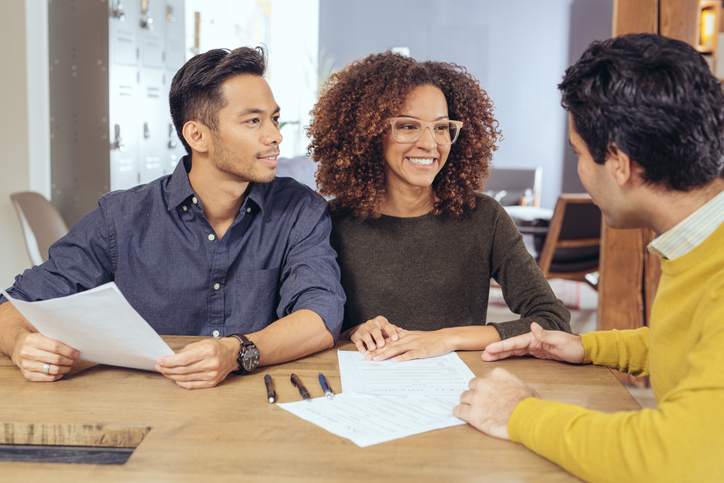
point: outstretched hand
(540, 343)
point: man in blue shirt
(219, 248)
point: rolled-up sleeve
(310, 274)
(79, 261)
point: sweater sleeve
(525, 290)
(625, 350)
(680, 440)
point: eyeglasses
(406, 130)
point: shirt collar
(690, 232)
(179, 188)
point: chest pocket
(256, 297)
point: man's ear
(619, 166)
(197, 136)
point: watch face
(250, 358)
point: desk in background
(231, 433)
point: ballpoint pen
(271, 395)
(298, 384)
(329, 394)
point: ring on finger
(46, 368)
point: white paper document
(368, 420)
(387, 400)
(444, 376)
(101, 324)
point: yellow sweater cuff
(538, 424)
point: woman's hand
(372, 334)
(413, 344)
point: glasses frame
(425, 125)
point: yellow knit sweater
(683, 351)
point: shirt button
(216, 333)
(212, 237)
(217, 286)
(185, 208)
(194, 200)
(248, 209)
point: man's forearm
(297, 335)
(12, 325)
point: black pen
(298, 384)
(325, 386)
(271, 395)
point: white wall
(14, 157)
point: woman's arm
(525, 290)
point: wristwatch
(248, 358)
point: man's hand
(201, 364)
(540, 343)
(413, 344)
(42, 359)
(372, 334)
(490, 401)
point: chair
(571, 247)
(514, 186)
(41, 223)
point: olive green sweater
(431, 272)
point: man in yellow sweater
(646, 119)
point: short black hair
(195, 92)
(655, 99)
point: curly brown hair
(349, 122)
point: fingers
(196, 384)
(41, 342)
(199, 366)
(391, 331)
(515, 346)
(521, 341)
(359, 344)
(40, 368)
(363, 339)
(204, 376)
(371, 335)
(39, 355)
(462, 411)
(41, 371)
(368, 342)
(42, 359)
(192, 353)
(538, 332)
(388, 352)
(39, 376)
(379, 339)
(467, 397)
(409, 355)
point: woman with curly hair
(402, 146)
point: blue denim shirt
(156, 244)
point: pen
(298, 384)
(325, 386)
(271, 395)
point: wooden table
(230, 433)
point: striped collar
(690, 232)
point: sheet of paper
(368, 420)
(444, 376)
(101, 324)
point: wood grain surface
(230, 433)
